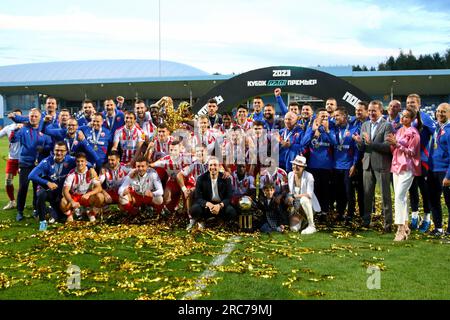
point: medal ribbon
(58, 169)
(438, 134)
(96, 139)
(342, 136)
(69, 146)
(286, 136)
(110, 124)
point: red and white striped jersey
(279, 178)
(129, 140)
(14, 148)
(208, 138)
(148, 182)
(149, 129)
(224, 131)
(234, 153)
(247, 125)
(163, 147)
(147, 118)
(80, 183)
(172, 165)
(113, 179)
(242, 187)
(194, 170)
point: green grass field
(162, 261)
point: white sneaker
(201, 226)
(92, 218)
(11, 205)
(295, 227)
(51, 220)
(309, 230)
(191, 224)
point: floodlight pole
(392, 89)
(159, 36)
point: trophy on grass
(247, 209)
(246, 214)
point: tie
(374, 128)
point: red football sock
(10, 192)
(130, 209)
(158, 208)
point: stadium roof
(76, 80)
(105, 71)
(401, 82)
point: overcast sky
(223, 36)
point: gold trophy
(246, 216)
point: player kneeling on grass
(301, 200)
(81, 189)
(50, 176)
(172, 164)
(142, 187)
(111, 178)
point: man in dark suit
(212, 195)
(376, 162)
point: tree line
(408, 61)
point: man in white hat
(301, 198)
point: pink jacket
(406, 154)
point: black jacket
(217, 119)
(203, 189)
(271, 212)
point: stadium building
(26, 86)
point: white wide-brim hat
(300, 161)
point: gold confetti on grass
(79, 239)
(62, 289)
(179, 286)
(160, 242)
(5, 281)
(315, 293)
(109, 260)
(273, 249)
(153, 247)
(322, 278)
(197, 267)
(4, 226)
(292, 280)
(128, 285)
(345, 235)
(251, 265)
(100, 277)
(42, 272)
(380, 265)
